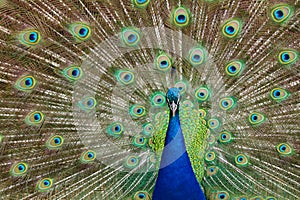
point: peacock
(150, 99)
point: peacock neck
(176, 178)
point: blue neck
(176, 178)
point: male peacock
(141, 99)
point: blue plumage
(176, 179)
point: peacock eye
(234, 68)
(55, 142)
(284, 149)
(181, 17)
(241, 160)
(87, 103)
(34, 118)
(227, 103)
(256, 118)
(44, 185)
(130, 37)
(88, 156)
(30, 37)
(125, 77)
(214, 123)
(163, 62)
(132, 161)
(281, 13)
(288, 57)
(197, 56)
(18, 169)
(26, 83)
(139, 141)
(202, 93)
(115, 129)
(158, 99)
(137, 111)
(80, 31)
(73, 73)
(141, 195)
(279, 94)
(141, 3)
(231, 28)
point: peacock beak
(173, 107)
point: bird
(149, 99)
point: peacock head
(173, 99)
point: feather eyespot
(202, 93)
(139, 141)
(132, 162)
(232, 28)
(141, 3)
(281, 13)
(137, 111)
(279, 94)
(227, 103)
(55, 142)
(197, 56)
(80, 31)
(26, 83)
(130, 37)
(73, 73)
(115, 129)
(212, 170)
(30, 37)
(44, 184)
(256, 118)
(234, 68)
(284, 149)
(288, 57)
(141, 195)
(241, 160)
(19, 169)
(125, 77)
(210, 156)
(163, 62)
(34, 118)
(222, 195)
(225, 137)
(181, 17)
(148, 129)
(214, 123)
(88, 156)
(158, 99)
(87, 103)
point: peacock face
(173, 99)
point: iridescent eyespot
(130, 36)
(80, 31)
(281, 13)
(212, 170)
(148, 129)
(213, 123)
(55, 142)
(87, 103)
(256, 118)
(26, 83)
(125, 77)
(140, 3)
(227, 103)
(222, 195)
(284, 149)
(288, 57)
(115, 129)
(271, 198)
(241, 160)
(141, 195)
(163, 62)
(44, 184)
(279, 94)
(257, 198)
(182, 86)
(210, 156)
(132, 162)
(181, 17)
(139, 141)
(187, 103)
(202, 113)
(18, 169)
(225, 137)
(232, 28)
(234, 68)
(152, 158)
(30, 37)
(158, 99)
(88, 156)
(72, 73)
(197, 56)
(137, 111)
(34, 118)
(243, 198)
(202, 93)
